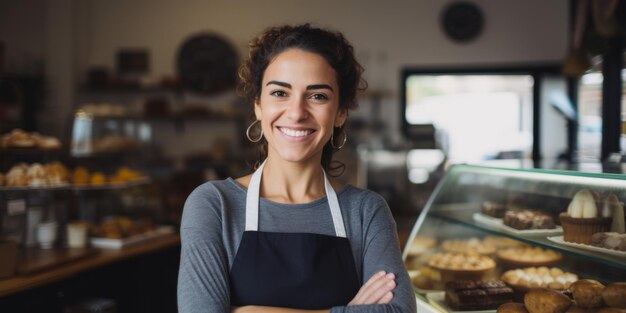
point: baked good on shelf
(528, 256)
(80, 176)
(16, 176)
(461, 261)
(539, 277)
(528, 219)
(461, 266)
(36, 175)
(493, 209)
(19, 138)
(466, 295)
(614, 295)
(418, 251)
(97, 178)
(609, 240)
(613, 207)
(56, 173)
(502, 242)
(512, 307)
(117, 227)
(426, 278)
(543, 300)
(583, 219)
(587, 293)
(471, 245)
(125, 174)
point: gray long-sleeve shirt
(214, 221)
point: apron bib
(292, 270)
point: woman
(287, 238)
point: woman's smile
(296, 133)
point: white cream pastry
(583, 205)
(612, 207)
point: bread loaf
(587, 293)
(614, 295)
(542, 300)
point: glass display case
(524, 228)
(108, 133)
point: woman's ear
(257, 109)
(342, 116)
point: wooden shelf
(103, 257)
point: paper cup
(77, 235)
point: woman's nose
(297, 109)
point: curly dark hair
(331, 45)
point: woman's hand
(377, 290)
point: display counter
(518, 230)
(100, 258)
(137, 278)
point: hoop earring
(332, 140)
(248, 132)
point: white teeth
(295, 133)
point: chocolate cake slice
(493, 209)
(469, 295)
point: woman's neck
(292, 182)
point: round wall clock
(462, 21)
(207, 63)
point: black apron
(292, 270)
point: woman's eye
(278, 93)
(319, 96)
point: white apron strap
(253, 195)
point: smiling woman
(297, 106)
(287, 238)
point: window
(481, 116)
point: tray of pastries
(528, 256)
(583, 296)
(118, 232)
(607, 242)
(34, 176)
(461, 266)
(523, 222)
(19, 139)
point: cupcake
(583, 219)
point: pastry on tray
(614, 295)
(609, 240)
(468, 295)
(528, 256)
(583, 219)
(543, 300)
(528, 219)
(471, 245)
(19, 138)
(539, 277)
(461, 266)
(493, 209)
(587, 293)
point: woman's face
(299, 105)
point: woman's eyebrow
(319, 86)
(283, 84)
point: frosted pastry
(582, 218)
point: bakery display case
(67, 221)
(56, 208)
(488, 236)
(109, 130)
